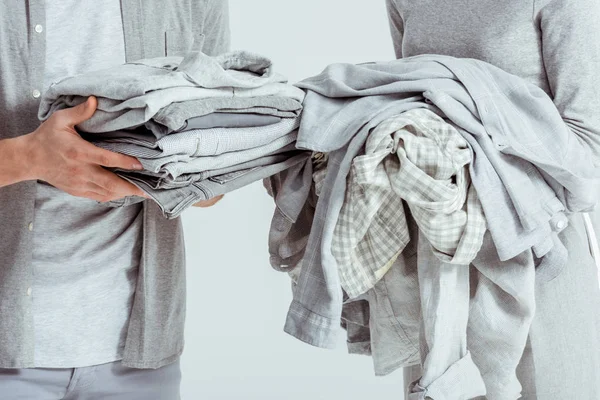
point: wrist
(21, 158)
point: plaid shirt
(419, 158)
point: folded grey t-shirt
(229, 120)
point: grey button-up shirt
(153, 28)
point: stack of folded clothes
(201, 126)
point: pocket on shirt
(179, 41)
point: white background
(235, 344)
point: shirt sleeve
(217, 36)
(396, 26)
(570, 35)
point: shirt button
(561, 225)
(38, 28)
(30, 226)
(28, 291)
(36, 94)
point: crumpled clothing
(419, 158)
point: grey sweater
(554, 44)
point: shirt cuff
(460, 382)
(311, 328)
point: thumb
(78, 114)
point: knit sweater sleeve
(396, 26)
(570, 36)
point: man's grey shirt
(152, 29)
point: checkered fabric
(419, 159)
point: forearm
(15, 161)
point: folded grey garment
(229, 120)
(173, 117)
(140, 137)
(174, 201)
(195, 142)
(131, 94)
(164, 181)
(181, 164)
(209, 121)
(207, 163)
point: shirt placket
(36, 40)
(37, 46)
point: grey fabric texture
(295, 203)
(174, 192)
(217, 141)
(162, 181)
(177, 165)
(424, 148)
(129, 95)
(385, 321)
(497, 339)
(106, 381)
(85, 265)
(189, 146)
(451, 385)
(555, 45)
(85, 257)
(556, 37)
(173, 117)
(568, 341)
(337, 118)
(458, 357)
(229, 120)
(156, 29)
(174, 201)
(154, 84)
(566, 327)
(419, 158)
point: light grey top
(152, 28)
(554, 44)
(86, 255)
